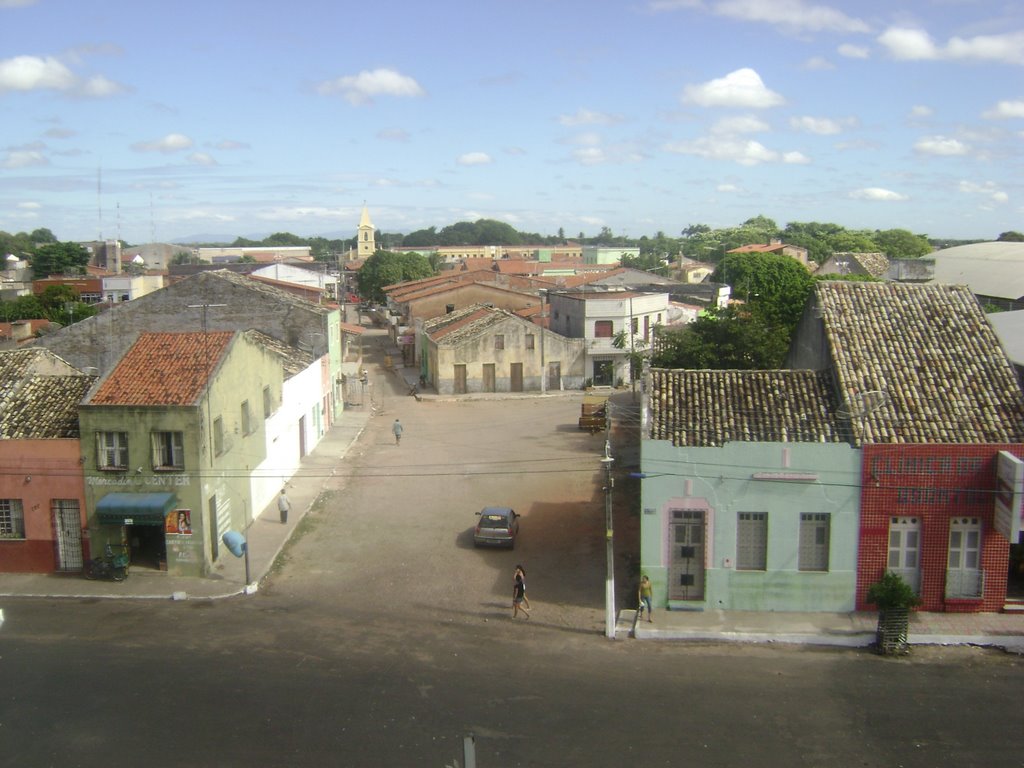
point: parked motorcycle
(110, 566)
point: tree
(59, 259)
(774, 287)
(722, 339)
(421, 238)
(184, 257)
(1011, 237)
(43, 235)
(902, 244)
(385, 268)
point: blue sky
(245, 118)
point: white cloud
(1005, 109)
(822, 126)
(742, 124)
(917, 45)
(24, 158)
(673, 5)
(790, 14)
(818, 64)
(877, 193)
(172, 142)
(795, 158)
(920, 110)
(588, 117)
(201, 158)
(31, 73)
(941, 145)
(590, 155)
(35, 73)
(474, 158)
(16, 3)
(362, 88)
(987, 190)
(851, 51)
(101, 87)
(742, 88)
(30, 205)
(737, 150)
(231, 144)
(727, 188)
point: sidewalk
(266, 538)
(850, 630)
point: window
(218, 436)
(168, 450)
(246, 418)
(529, 341)
(752, 541)
(112, 450)
(634, 325)
(499, 341)
(12, 520)
(268, 403)
(603, 329)
(814, 541)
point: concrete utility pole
(609, 482)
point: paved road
(384, 637)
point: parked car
(498, 526)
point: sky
(165, 121)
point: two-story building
(171, 439)
(613, 325)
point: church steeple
(366, 244)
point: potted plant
(894, 598)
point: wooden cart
(594, 413)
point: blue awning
(135, 508)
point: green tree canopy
(902, 244)
(1011, 237)
(774, 287)
(387, 268)
(59, 259)
(722, 339)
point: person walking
(397, 429)
(521, 573)
(644, 594)
(518, 595)
(284, 504)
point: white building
(600, 318)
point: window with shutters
(814, 541)
(168, 450)
(112, 450)
(751, 541)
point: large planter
(891, 635)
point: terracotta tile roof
(39, 395)
(45, 407)
(164, 369)
(712, 408)
(930, 350)
(293, 359)
(463, 323)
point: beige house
(434, 300)
(483, 349)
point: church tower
(366, 244)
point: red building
(927, 513)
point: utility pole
(609, 483)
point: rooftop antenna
(152, 220)
(860, 405)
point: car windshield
(493, 521)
